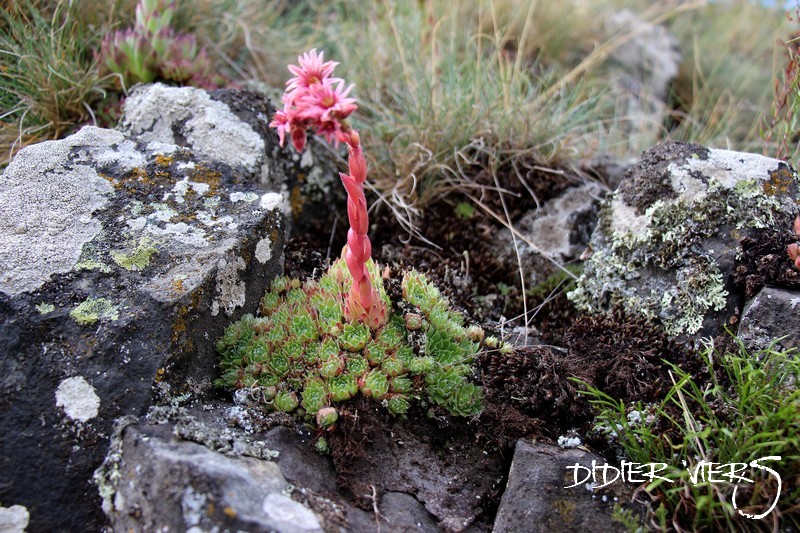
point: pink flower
(281, 123)
(325, 102)
(310, 72)
(314, 100)
(325, 106)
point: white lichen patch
(566, 441)
(307, 159)
(162, 148)
(264, 250)
(210, 128)
(162, 213)
(136, 224)
(48, 201)
(271, 200)
(193, 507)
(14, 519)
(626, 223)
(45, 308)
(78, 399)
(230, 290)
(182, 233)
(136, 207)
(248, 197)
(722, 167)
(286, 512)
(183, 186)
(124, 154)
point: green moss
(304, 348)
(45, 308)
(92, 264)
(139, 258)
(559, 280)
(94, 309)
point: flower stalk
(315, 100)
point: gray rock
(402, 512)
(120, 267)
(770, 315)
(535, 498)
(666, 240)
(218, 467)
(164, 116)
(642, 68)
(162, 483)
(555, 233)
(37, 243)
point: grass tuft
(49, 81)
(750, 409)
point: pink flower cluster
(313, 99)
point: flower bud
(327, 416)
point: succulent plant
(306, 357)
(152, 50)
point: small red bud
(794, 251)
(299, 139)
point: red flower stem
(363, 303)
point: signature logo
(601, 475)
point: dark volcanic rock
(770, 315)
(122, 260)
(536, 499)
(224, 467)
(156, 481)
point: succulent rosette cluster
(152, 50)
(301, 355)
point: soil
(765, 262)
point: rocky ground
(127, 252)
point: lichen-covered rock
(120, 265)
(230, 131)
(215, 468)
(159, 482)
(165, 115)
(667, 239)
